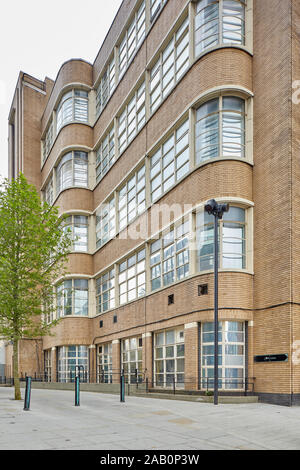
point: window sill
(230, 45)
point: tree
(33, 253)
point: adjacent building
(185, 101)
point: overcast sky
(37, 37)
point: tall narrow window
(231, 355)
(232, 240)
(155, 6)
(105, 291)
(170, 162)
(220, 129)
(72, 170)
(132, 359)
(132, 38)
(105, 87)
(48, 192)
(105, 222)
(72, 297)
(47, 143)
(105, 155)
(132, 277)
(217, 22)
(171, 65)
(169, 358)
(132, 118)
(132, 198)
(73, 107)
(78, 225)
(169, 257)
(47, 365)
(105, 363)
(68, 358)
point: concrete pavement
(101, 422)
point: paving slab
(101, 422)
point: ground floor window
(104, 363)
(231, 355)
(47, 365)
(132, 359)
(169, 358)
(68, 358)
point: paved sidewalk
(103, 423)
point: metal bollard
(122, 389)
(77, 391)
(27, 394)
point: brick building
(185, 101)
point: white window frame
(104, 363)
(220, 147)
(106, 87)
(75, 105)
(208, 236)
(132, 198)
(165, 355)
(71, 223)
(81, 357)
(166, 164)
(155, 7)
(131, 39)
(225, 383)
(132, 118)
(48, 141)
(105, 292)
(47, 365)
(77, 158)
(166, 254)
(105, 222)
(105, 155)
(169, 65)
(132, 277)
(132, 359)
(66, 292)
(219, 23)
(49, 192)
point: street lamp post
(217, 210)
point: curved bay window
(219, 22)
(72, 298)
(78, 225)
(220, 129)
(232, 240)
(73, 107)
(72, 170)
(68, 358)
(231, 355)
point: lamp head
(222, 208)
(211, 206)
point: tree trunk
(16, 370)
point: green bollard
(27, 394)
(122, 389)
(77, 391)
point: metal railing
(138, 381)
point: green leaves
(33, 252)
